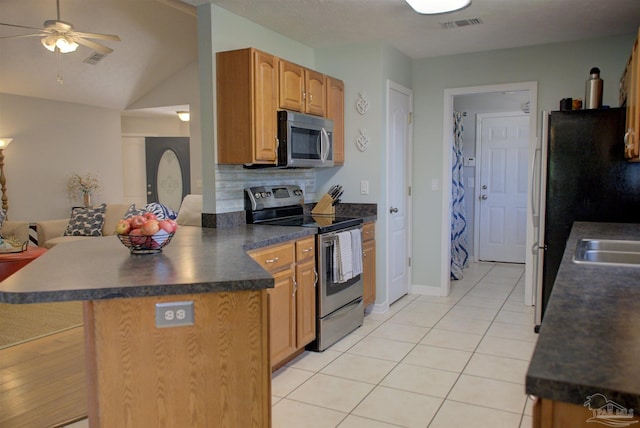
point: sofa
(15, 229)
(51, 232)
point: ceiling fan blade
(20, 26)
(97, 36)
(23, 35)
(93, 45)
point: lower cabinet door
(306, 302)
(282, 317)
(369, 272)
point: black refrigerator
(582, 175)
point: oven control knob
(269, 194)
(257, 195)
(263, 194)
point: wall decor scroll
(362, 142)
(362, 105)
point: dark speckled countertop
(589, 339)
(198, 260)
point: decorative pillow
(86, 221)
(132, 210)
(161, 211)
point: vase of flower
(81, 187)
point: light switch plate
(364, 187)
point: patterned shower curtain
(459, 252)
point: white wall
(365, 68)
(560, 70)
(51, 141)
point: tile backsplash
(231, 180)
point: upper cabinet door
(291, 86)
(247, 99)
(265, 106)
(315, 96)
(335, 112)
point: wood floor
(42, 382)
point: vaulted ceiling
(157, 41)
(159, 37)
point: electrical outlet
(174, 314)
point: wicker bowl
(140, 244)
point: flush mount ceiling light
(184, 116)
(432, 7)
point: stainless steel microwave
(304, 141)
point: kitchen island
(585, 364)
(214, 372)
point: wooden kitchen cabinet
(335, 112)
(301, 89)
(247, 100)
(631, 87)
(557, 414)
(282, 317)
(306, 279)
(292, 301)
(369, 263)
(279, 260)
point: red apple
(168, 225)
(149, 216)
(123, 227)
(137, 221)
(137, 237)
(150, 227)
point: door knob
(483, 197)
(393, 210)
(484, 187)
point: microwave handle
(326, 145)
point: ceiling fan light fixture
(184, 116)
(49, 42)
(433, 7)
(63, 43)
(66, 45)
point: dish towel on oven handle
(345, 264)
(356, 251)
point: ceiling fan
(58, 35)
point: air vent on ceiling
(94, 58)
(461, 23)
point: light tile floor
(437, 362)
(445, 362)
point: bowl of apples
(145, 233)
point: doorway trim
(445, 236)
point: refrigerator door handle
(535, 196)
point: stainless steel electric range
(339, 303)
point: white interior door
(398, 136)
(502, 193)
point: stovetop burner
(324, 223)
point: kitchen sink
(607, 252)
